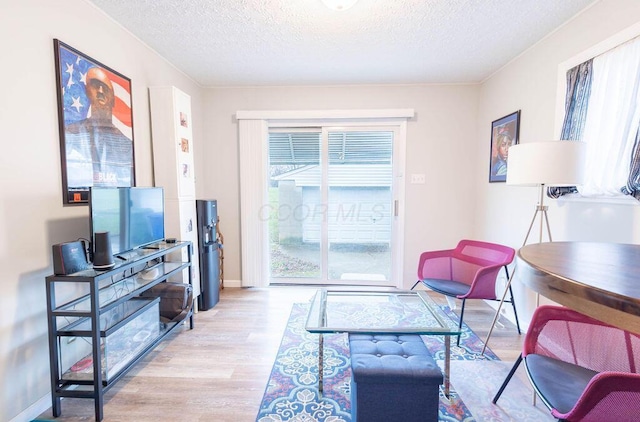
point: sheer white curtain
(612, 119)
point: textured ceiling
(302, 42)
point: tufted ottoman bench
(394, 378)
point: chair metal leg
(515, 313)
(417, 282)
(513, 301)
(506, 381)
(504, 297)
(460, 324)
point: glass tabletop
(379, 312)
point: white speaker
(102, 256)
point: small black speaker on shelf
(102, 255)
(69, 257)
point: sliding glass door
(331, 205)
(295, 217)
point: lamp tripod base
(541, 210)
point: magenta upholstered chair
(582, 369)
(467, 272)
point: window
(253, 136)
(331, 200)
(603, 110)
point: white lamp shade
(552, 163)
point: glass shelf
(126, 330)
(117, 290)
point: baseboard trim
(35, 410)
(233, 283)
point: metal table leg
(320, 361)
(447, 364)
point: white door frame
(253, 136)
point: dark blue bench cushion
(391, 360)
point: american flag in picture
(73, 71)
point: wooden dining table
(598, 279)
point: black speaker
(69, 258)
(102, 256)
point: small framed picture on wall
(505, 132)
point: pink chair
(467, 272)
(582, 369)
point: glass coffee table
(379, 312)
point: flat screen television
(134, 217)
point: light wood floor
(218, 371)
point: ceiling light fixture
(339, 4)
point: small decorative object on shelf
(101, 323)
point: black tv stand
(100, 326)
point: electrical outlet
(418, 179)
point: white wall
(529, 83)
(448, 141)
(457, 200)
(32, 217)
(441, 144)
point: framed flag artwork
(95, 119)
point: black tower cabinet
(208, 253)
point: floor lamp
(542, 164)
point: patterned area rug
(292, 393)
